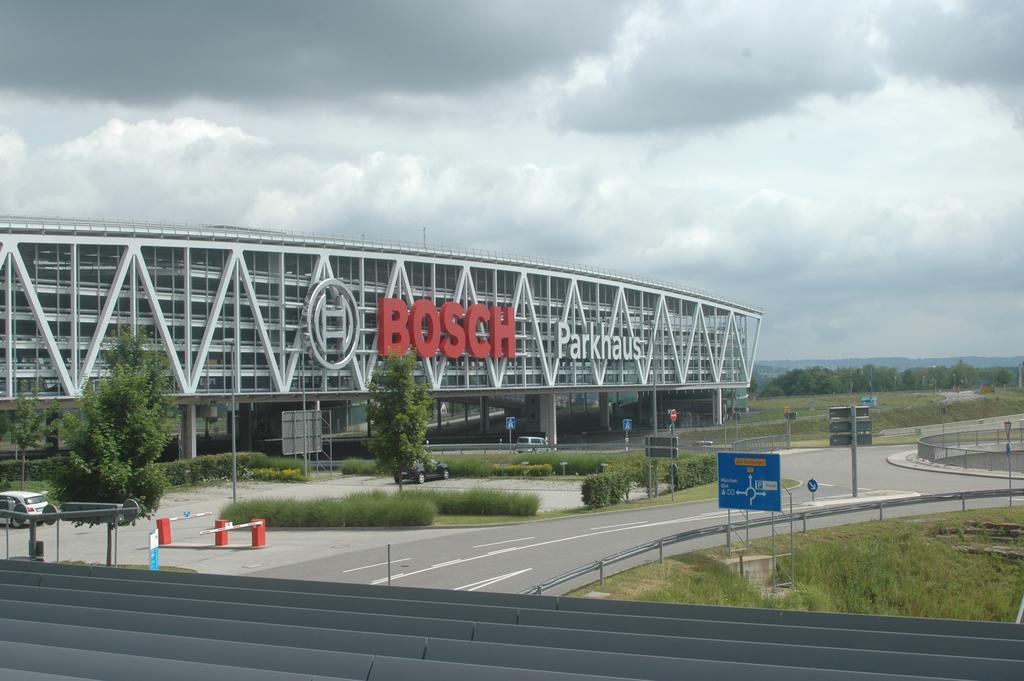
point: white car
(34, 503)
(529, 443)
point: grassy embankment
(894, 410)
(907, 566)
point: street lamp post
(230, 342)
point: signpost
(812, 487)
(154, 551)
(749, 481)
(510, 425)
(752, 481)
(657, 447)
(1009, 460)
(849, 426)
(627, 425)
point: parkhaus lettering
(596, 343)
(479, 330)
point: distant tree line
(870, 378)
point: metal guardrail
(113, 514)
(659, 545)
(983, 449)
(765, 443)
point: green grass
(894, 410)
(481, 502)
(366, 509)
(358, 467)
(892, 567)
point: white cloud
(814, 163)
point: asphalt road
(514, 557)
(503, 558)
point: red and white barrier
(163, 525)
(222, 527)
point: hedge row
(35, 469)
(604, 489)
(696, 470)
(217, 467)
(365, 509)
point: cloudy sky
(855, 169)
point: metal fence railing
(600, 566)
(981, 449)
(765, 443)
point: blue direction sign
(510, 423)
(812, 485)
(627, 424)
(749, 481)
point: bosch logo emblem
(333, 324)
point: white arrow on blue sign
(627, 424)
(510, 423)
(812, 485)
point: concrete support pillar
(717, 407)
(438, 403)
(485, 414)
(188, 431)
(606, 415)
(549, 418)
(244, 441)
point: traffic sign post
(627, 425)
(510, 425)
(154, 551)
(812, 487)
(849, 426)
(659, 448)
(1009, 460)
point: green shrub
(358, 467)
(464, 467)
(366, 509)
(576, 463)
(533, 470)
(604, 489)
(217, 467)
(696, 470)
(482, 502)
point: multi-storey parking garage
(268, 316)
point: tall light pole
(230, 342)
(305, 428)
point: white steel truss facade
(67, 285)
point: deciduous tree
(124, 423)
(399, 411)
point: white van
(530, 443)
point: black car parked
(421, 471)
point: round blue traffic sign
(812, 485)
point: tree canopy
(123, 425)
(399, 411)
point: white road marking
(605, 527)
(489, 581)
(495, 543)
(366, 567)
(548, 542)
